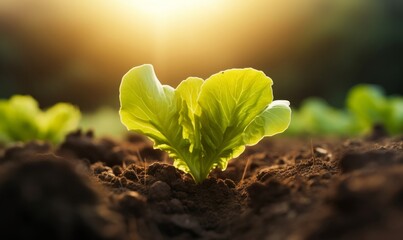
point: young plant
(369, 106)
(316, 117)
(202, 124)
(22, 120)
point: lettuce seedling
(202, 124)
(369, 105)
(22, 120)
(316, 117)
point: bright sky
(180, 37)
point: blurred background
(77, 51)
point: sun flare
(168, 8)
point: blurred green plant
(366, 106)
(21, 119)
(104, 121)
(316, 117)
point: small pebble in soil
(159, 191)
(321, 151)
(117, 170)
(132, 201)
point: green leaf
(21, 117)
(394, 117)
(186, 95)
(4, 137)
(368, 104)
(148, 107)
(58, 120)
(275, 119)
(229, 102)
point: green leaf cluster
(22, 120)
(202, 124)
(366, 106)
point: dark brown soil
(282, 188)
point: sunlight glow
(169, 8)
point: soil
(282, 188)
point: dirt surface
(282, 188)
